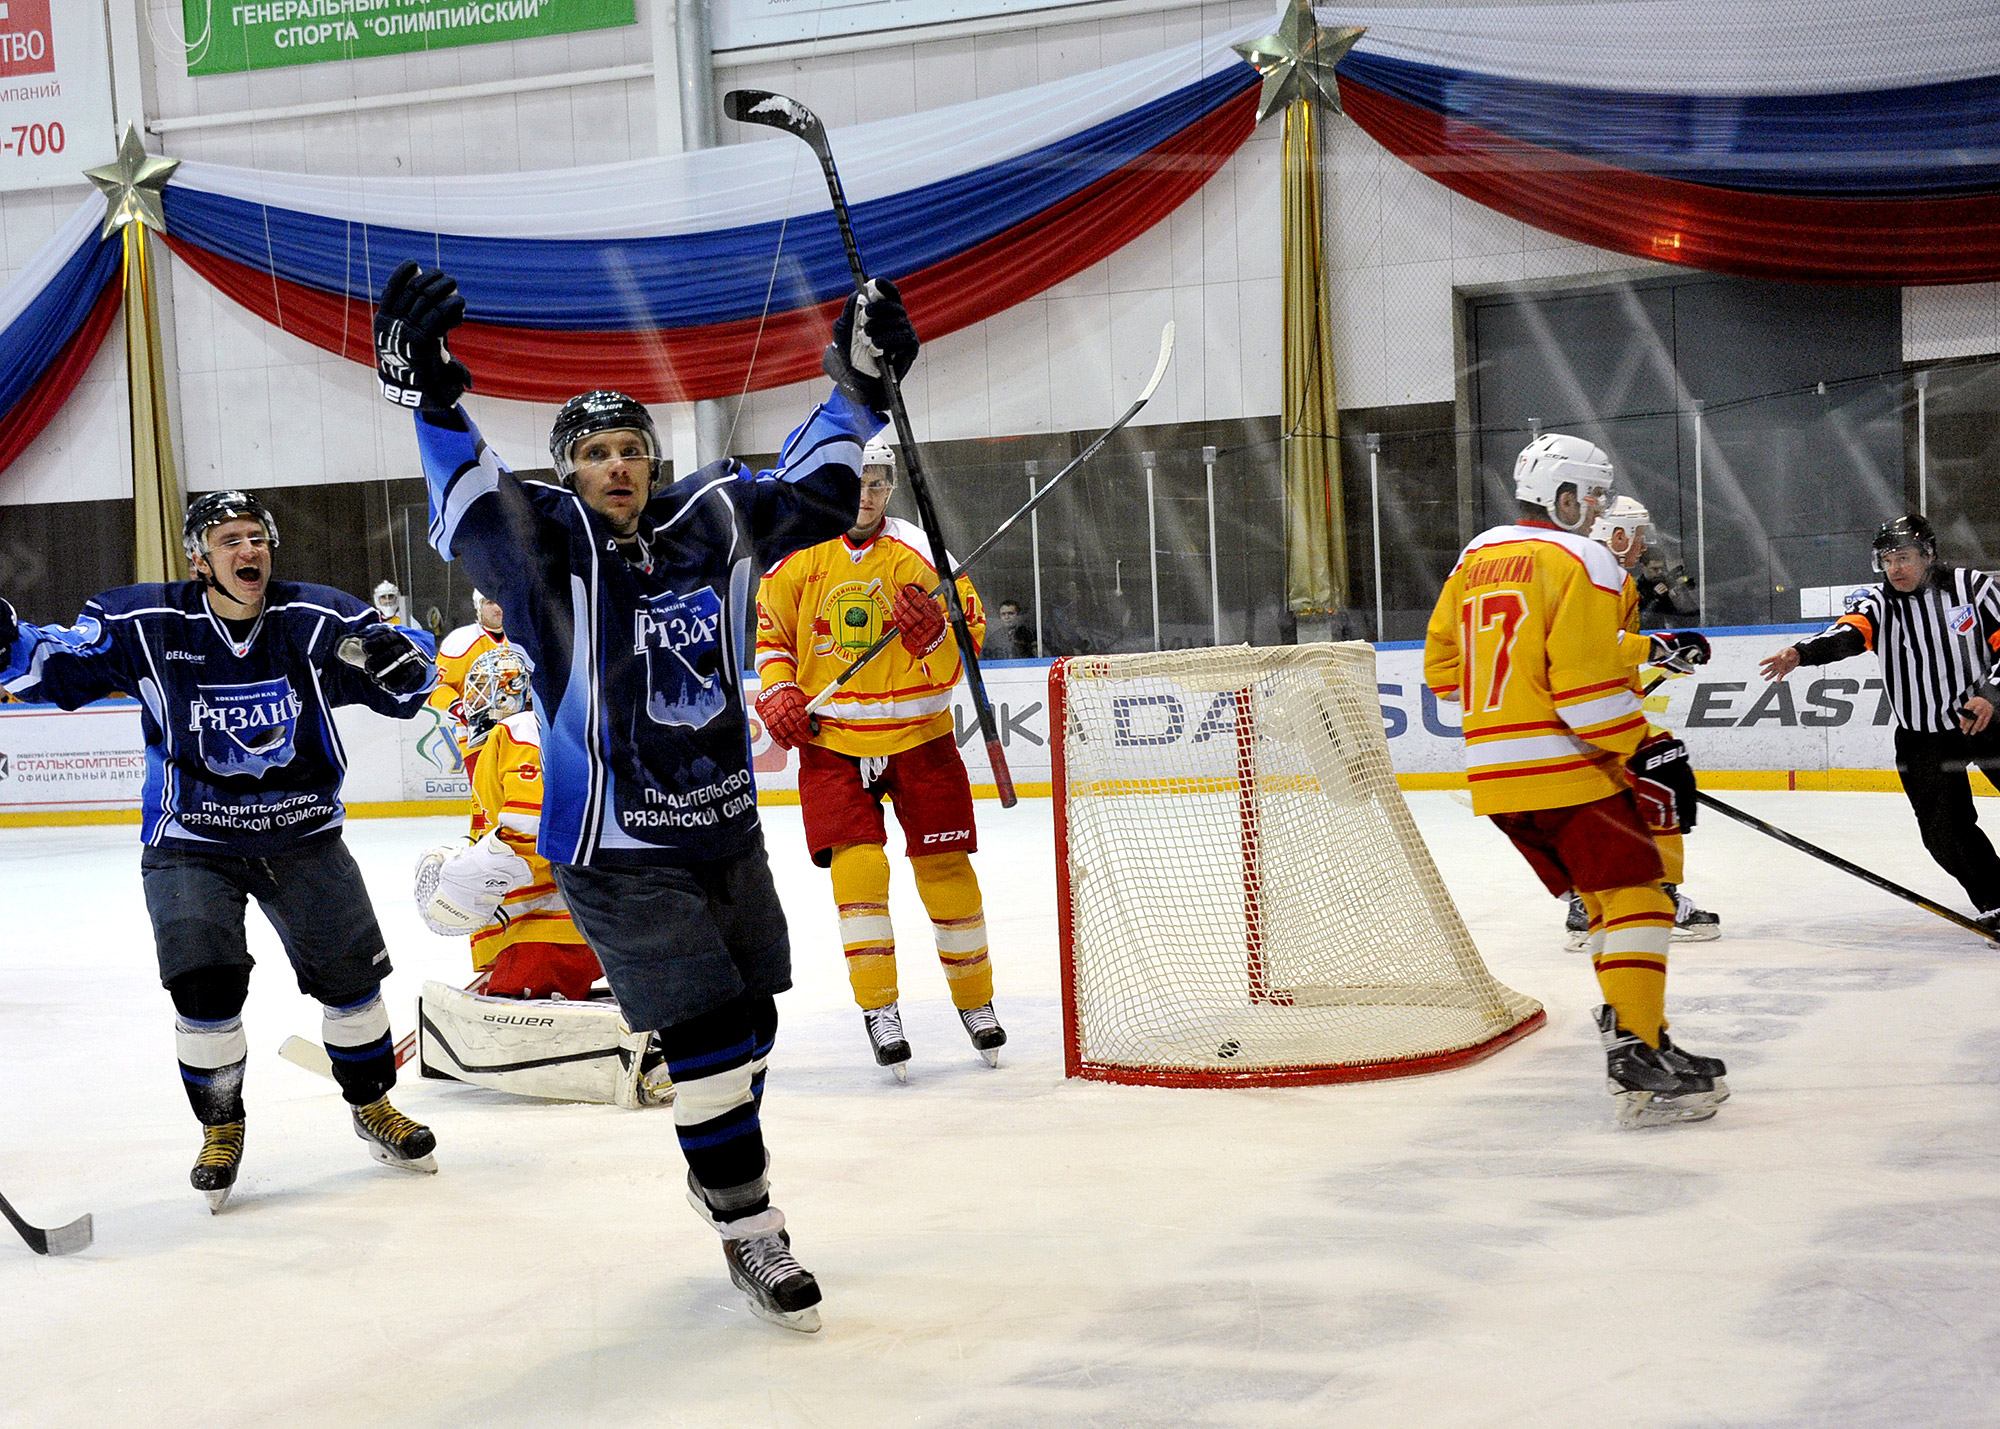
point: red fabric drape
(1759, 235)
(38, 407)
(677, 365)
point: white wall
(260, 408)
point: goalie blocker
(555, 1049)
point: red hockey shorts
(928, 784)
(1588, 847)
(538, 969)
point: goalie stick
(1844, 866)
(889, 632)
(777, 111)
(61, 1240)
(314, 1058)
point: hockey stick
(315, 1059)
(1845, 867)
(889, 632)
(61, 1240)
(776, 111)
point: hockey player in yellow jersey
(889, 731)
(1525, 637)
(496, 886)
(455, 655)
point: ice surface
(1007, 1248)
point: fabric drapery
(1315, 521)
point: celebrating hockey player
(630, 602)
(456, 653)
(238, 675)
(1626, 528)
(1936, 629)
(889, 731)
(1526, 638)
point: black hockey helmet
(1905, 531)
(212, 508)
(600, 411)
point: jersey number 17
(1503, 610)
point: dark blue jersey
(241, 753)
(637, 665)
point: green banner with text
(235, 35)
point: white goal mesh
(1243, 895)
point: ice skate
(763, 1267)
(1682, 1061)
(395, 1140)
(1691, 924)
(985, 1031)
(1576, 926)
(214, 1173)
(885, 1037)
(1649, 1088)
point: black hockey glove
(1679, 649)
(1663, 783)
(388, 657)
(10, 626)
(419, 309)
(866, 336)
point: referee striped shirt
(1939, 645)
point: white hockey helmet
(1552, 461)
(496, 687)
(1627, 515)
(879, 453)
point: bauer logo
(26, 46)
(245, 730)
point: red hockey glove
(783, 710)
(1663, 783)
(919, 619)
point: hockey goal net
(1242, 895)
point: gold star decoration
(133, 186)
(1298, 61)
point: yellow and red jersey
(1526, 636)
(455, 655)
(820, 608)
(507, 795)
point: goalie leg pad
(558, 1051)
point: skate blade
(1696, 935)
(991, 1054)
(1643, 1109)
(901, 1069)
(1573, 942)
(416, 1165)
(805, 1321)
(218, 1199)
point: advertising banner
(58, 759)
(55, 92)
(238, 35)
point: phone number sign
(265, 34)
(55, 93)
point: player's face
(489, 615)
(385, 605)
(614, 476)
(877, 486)
(238, 554)
(1628, 547)
(1010, 616)
(1904, 567)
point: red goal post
(1242, 896)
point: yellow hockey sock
(1673, 854)
(1634, 925)
(861, 888)
(951, 895)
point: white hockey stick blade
(310, 1055)
(1160, 367)
(60, 1240)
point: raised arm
(67, 666)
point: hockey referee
(1936, 630)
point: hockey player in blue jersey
(631, 602)
(237, 677)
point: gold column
(1315, 525)
(133, 189)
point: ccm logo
(955, 836)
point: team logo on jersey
(680, 639)
(851, 618)
(1963, 619)
(245, 730)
